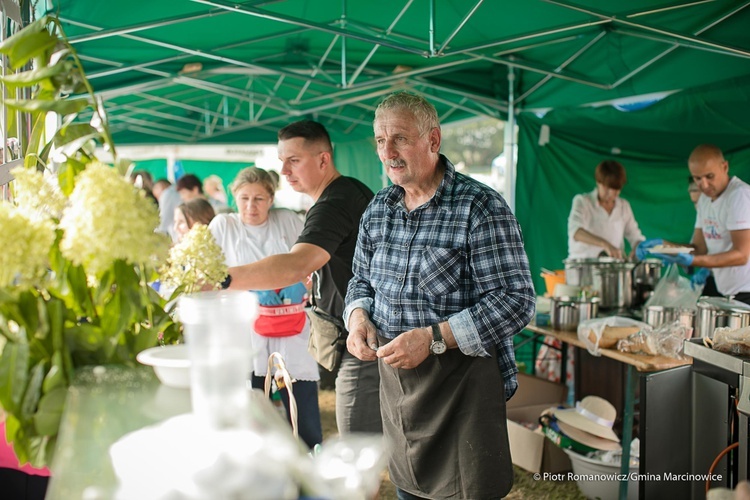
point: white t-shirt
(245, 244)
(729, 212)
(587, 214)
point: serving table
(664, 391)
(104, 403)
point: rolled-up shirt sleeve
(359, 293)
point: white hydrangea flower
(109, 219)
(36, 195)
(25, 258)
(195, 261)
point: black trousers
(308, 411)
(17, 485)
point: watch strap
(227, 281)
(436, 335)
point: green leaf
(67, 173)
(87, 337)
(56, 375)
(47, 418)
(14, 365)
(29, 312)
(35, 139)
(40, 452)
(61, 107)
(34, 45)
(69, 148)
(33, 390)
(24, 36)
(56, 313)
(76, 278)
(147, 337)
(113, 318)
(32, 77)
(12, 427)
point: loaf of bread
(612, 334)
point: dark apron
(445, 424)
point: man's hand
(362, 341)
(699, 277)
(408, 350)
(683, 259)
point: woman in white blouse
(600, 220)
(254, 232)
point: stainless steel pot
(567, 312)
(646, 274)
(579, 272)
(715, 312)
(658, 315)
(648, 271)
(613, 283)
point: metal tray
(718, 365)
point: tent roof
(219, 71)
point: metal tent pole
(510, 144)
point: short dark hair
(691, 179)
(610, 173)
(309, 130)
(189, 182)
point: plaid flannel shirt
(459, 257)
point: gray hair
(253, 175)
(421, 108)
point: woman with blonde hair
(254, 232)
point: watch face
(438, 347)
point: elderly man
(441, 285)
(722, 228)
(325, 248)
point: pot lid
(581, 300)
(723, 304)
(593, 260)
(652, 260)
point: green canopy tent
(214, 71)
(220, 71)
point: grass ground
(525, 486)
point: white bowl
(585, 468)
(171, 364)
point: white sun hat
(593, 415)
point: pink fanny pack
(281, 310)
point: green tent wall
(653, 145)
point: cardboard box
(532, 450)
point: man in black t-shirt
(325, 249)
